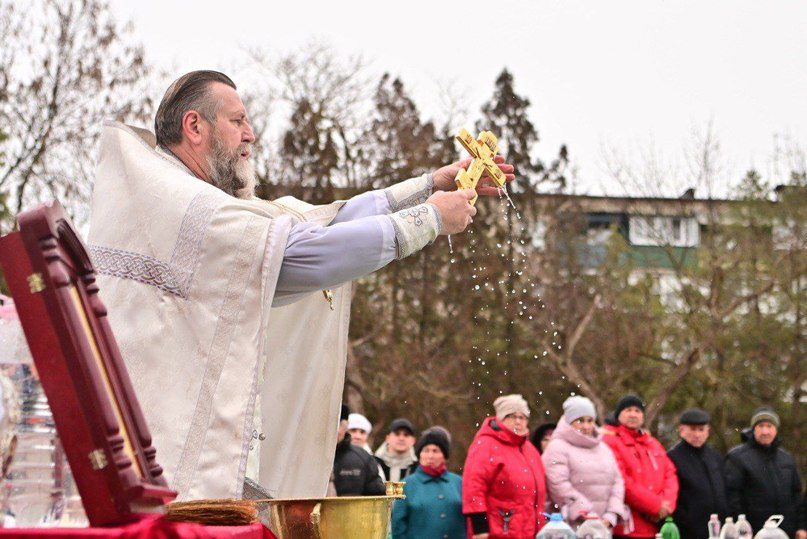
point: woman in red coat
(503, 484)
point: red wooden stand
(97, 414)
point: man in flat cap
(762, 479)
(701, 489)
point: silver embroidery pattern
(127, 265)
(415, 228)
(402, 245)
(418, 197)
(175, 276)
(414, 215)
(191, 233)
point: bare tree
(65, 67)
(329, 90)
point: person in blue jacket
(433, 504)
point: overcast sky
(600, 74)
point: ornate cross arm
(483, 150)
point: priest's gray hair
(189, 92)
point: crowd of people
(614, 471)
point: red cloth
(147, 526)
(649, 478)
(504, 473)
(434, 472)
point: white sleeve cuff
(415, 228)
(409, 192)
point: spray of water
(524, 302)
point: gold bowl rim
(333, 499)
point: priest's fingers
(454, 209)
(464, 163)
(487, 187)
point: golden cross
(483, 150)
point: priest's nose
(248, 135)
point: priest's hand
(444, 177)
(455, 211)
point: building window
(656, 230)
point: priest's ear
(194, 128)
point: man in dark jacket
(355, 472)
(701, 489)
(762, 478)
(396, 456)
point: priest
(232, 312)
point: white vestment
(189, 274)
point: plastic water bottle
(593, 528)
(729, 530)
(771, 529)
(744, 530)
(714, 526)
(556, 529)
(669, 530)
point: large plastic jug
(556, 529)
(593, 528)
(669, 530)
(744, 530)
(714, 526)
(771, 529)
(729, 530)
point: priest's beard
(229, 171)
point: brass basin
(356, 517)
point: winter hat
(695, 416)
(576, 407)
(538, 434)
(626, 402)
(358, 421)
(443, 430)
(764, 413)
(402, 423)
(510, 404)
(433, 436)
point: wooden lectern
(97, 414)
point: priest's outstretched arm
(370, 231)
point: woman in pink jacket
(582, 475)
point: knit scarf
(432, 471)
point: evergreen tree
(506, 115)
(310, 154)
(398, 144)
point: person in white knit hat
(582, 475)
(359, 428)
(503, 486)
